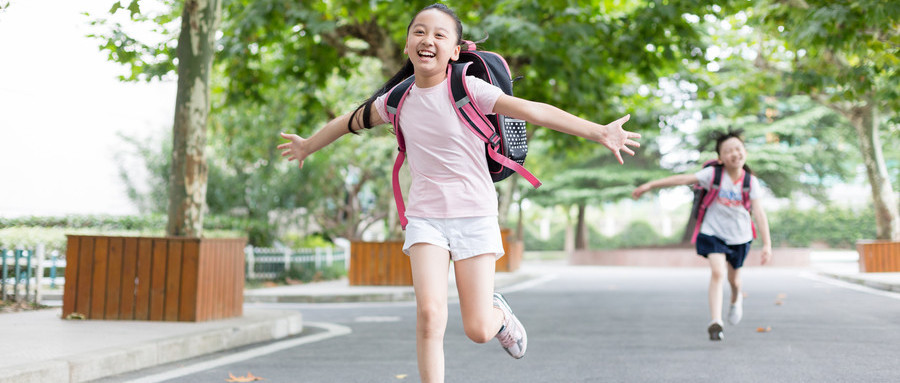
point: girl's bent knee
(480, 331)
(480, 335)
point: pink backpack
(504, 137)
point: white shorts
(463, 237)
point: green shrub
(837, 227)
(533, 242)
(31, 230)
(295, 241)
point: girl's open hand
(618, 139)
(766, 254)
(295, 149)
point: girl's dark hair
(402, 74)
(721, 136)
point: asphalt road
(599, 324)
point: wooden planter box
(878, 256)
(512, 260)
(157, 279)
(379, 264)
(384, 264)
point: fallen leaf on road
(249, 378)
(400, 376)
(779, 303)
(764, 329)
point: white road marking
(528, 284)
(331, 330)
(848, 285)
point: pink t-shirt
(449, 172)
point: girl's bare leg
(475, 283)
(734, 279)
(430, 267)
(718, 269)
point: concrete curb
(113, 361)
(346, 298)
(868, 282)
(357, 294)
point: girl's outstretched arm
(762, 223)
(299, 148)
(611, 135)
(678, 179)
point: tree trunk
(507, 192)
(581, 233)
(569, 244)
(187, 182)
(887, 217)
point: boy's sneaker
(512, 335)
(736, 312)
(715, 331)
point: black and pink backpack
(504, 137)
(703, 197)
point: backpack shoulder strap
(473, 117)
(708, 199)
(392, 104)
(467, 110)
(745, 190)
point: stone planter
(156, 279)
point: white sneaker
(512, 336)
(736, 312)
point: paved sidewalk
(38, 346)
(844, 267)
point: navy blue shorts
(734, 254)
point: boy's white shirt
(726, 218)
(447, 163)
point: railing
(24, 272)
(268, 263)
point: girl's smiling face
(431, 43)
(732, 153)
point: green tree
(585, 57)
(845, 56)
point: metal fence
(24, 272)
(268, 263)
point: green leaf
(115, 7)
(134, 8)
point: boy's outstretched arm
(611, 135)
(299, 148)
(678, 179)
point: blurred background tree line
(813, 84)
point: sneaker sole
(715, 332)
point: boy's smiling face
(431, 43)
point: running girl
(452, 206)
(726, 231)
